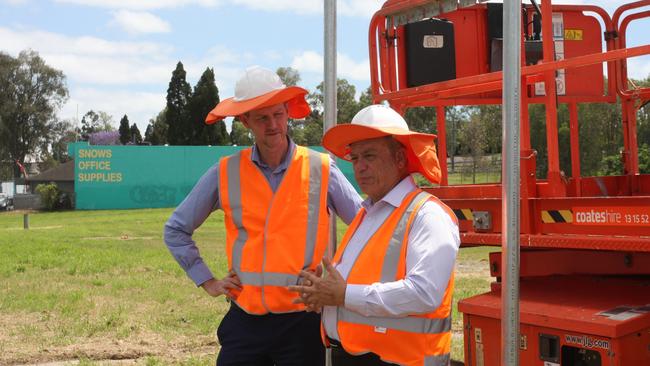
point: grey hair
(393, 144)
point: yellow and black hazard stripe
(557, 217)
(464, 214)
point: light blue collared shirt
(433, 242)
(204, 198)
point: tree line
(32, 92)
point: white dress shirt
(433, 242)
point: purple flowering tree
(104, 138)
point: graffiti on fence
(153, 195)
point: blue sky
(118, 55)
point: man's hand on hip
(230, 286)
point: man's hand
(229, 286)
(315, 292)
(318, 271)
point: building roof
(61, 173)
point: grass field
(96, 286)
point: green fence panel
(125, 177)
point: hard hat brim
(420, 147)
(294, 96)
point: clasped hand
(316, 291)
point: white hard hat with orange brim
(260, 88)
(377, 121)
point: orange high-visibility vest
(272, 236)
(415, 340)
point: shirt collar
(396, 195)
(284, 164)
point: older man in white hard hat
(387, 296)
(276, 197)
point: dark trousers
(291, 339)
(341, 358)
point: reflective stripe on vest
(388, 273)
(389, 270)
(408, 324)
(422, 339)
(309, 235)
(313, 208)
(234, 195)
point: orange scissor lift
(585, 241)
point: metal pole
(329, 91)
(330, 110)
(510, 182)
(26, 221)
(329, 85)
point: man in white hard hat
(276, 197)
(387, 296)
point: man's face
(377, 167)
(268, 124)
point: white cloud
(95, 60)
(350, 69)
(609, 5)
(308, 61)
(355, 8)
(118, 77)
(140, 22)
(359, 8)
(140, 4)
(312, 62)
(299, 7)
(111, 71)
(15, 2)
(47, 42)
(138, 106)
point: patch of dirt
(36, 347)
(115, 352)
(473, 269)
(121, 237)
(34, 228)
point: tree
(136, 137)
(455, 116)
(202, 101)
(148, 133)
(346, 103)
(240, 135)
(491, 117)
(421, 119)
(93, 122)
(104, 138)
(30, 93)
(288, 75)
(365, 99)
(55, 150)
(178, 94)
(643, 122)
(644, 159)
(473, 142)
(62, 134)
(158, 134)
(310, 131)
(125, 130)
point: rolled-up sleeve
(188, 216)
(342, 198)
(433, 243)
